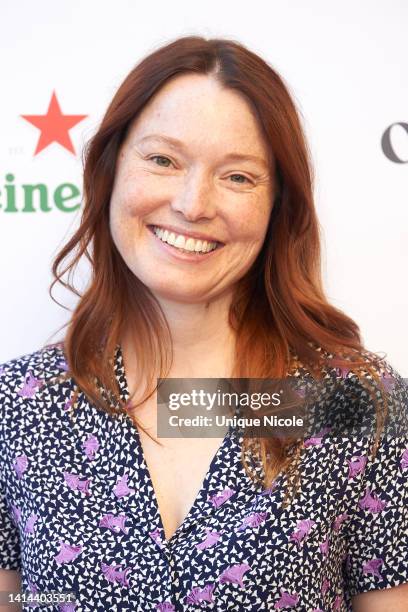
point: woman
(205, 264)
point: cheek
(134, 194)
(118, 229)
(249, 224)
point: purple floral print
(198, 595)
(90, 447)
(211, 539)
(121, 488)
(114, 523)
(79, 511)
(356, 466)
(220, 498)
(30, 386)
(114, 573)
(20, 465)
(234, 574)
(302, 530)
(67, 553)
(373, 567)
(287, 600)
(372, 502)
(76, 484)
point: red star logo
(54, 126)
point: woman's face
(194, 170)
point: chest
(177, 466)
(177, 469)
(232, 537)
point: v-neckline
(202, 503)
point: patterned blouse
(78, 512)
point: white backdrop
(346, 64)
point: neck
(203, 341)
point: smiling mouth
(184, 244)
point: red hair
(280, 313)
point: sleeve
(10, 552)
(377, 534)
(10, 556)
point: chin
(177, 292)
(185, 297)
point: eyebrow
(174, 143)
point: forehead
(197, 109)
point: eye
(161, 158)
(240, 176)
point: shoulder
(42, 364)
(358, 371)
(32, 381)
(355, 403)
(373, 411)
(381, 384)
(362, 369)
(44, 358)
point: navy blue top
(78, 512)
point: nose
(195, 198)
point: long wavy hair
(280, 314)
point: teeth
(171, 239)
(184, 243)
(180, 242)
(190, 245)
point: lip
(175, 253)
(188, 233)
